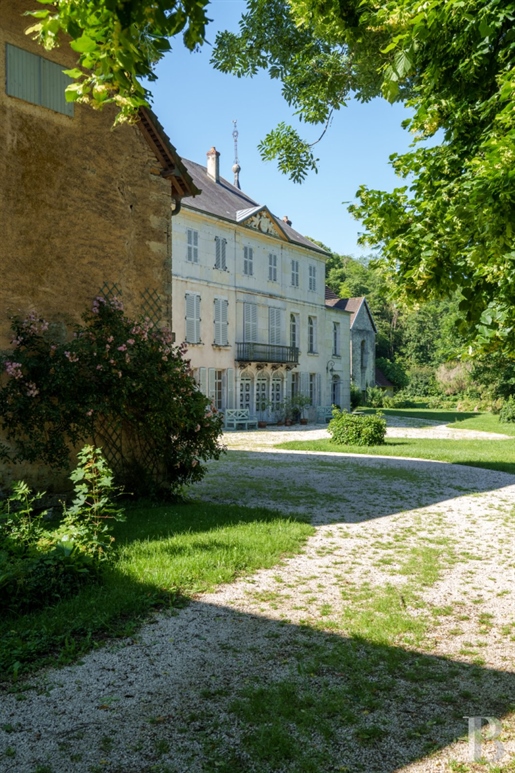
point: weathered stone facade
(82, 205)
(84, 208)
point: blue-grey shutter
(211, 393)
(224, 322)
(53, 85)
(318, 394)
(23, 74)
(250, 322)
(202, 379)
(304, 384)
(274, 326)
(230, 388)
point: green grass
(482, 422)
(164, 555)
(489, 454)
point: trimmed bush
(507, 412)
(347, 429)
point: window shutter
(53, 84)
(218, 255)
(23, 74)
(224, 322)
(250, 322)
(230, 388)
(318, 392)
(202, 380)
(274, 326)
(190, 318)
(304, 384)
(211, 393)
(223, 245)
(197, 318)
(218, 322)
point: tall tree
(450, 227)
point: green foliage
(351, 430)
(356, 396)
(119, 383)
(117, 44)
(40, 565)
(447, 228)
(393, 371)
(507, 412)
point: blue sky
(197, 105)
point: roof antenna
(236, 167)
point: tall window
(261, 395)
(336, 339)
(312, 278)
(294, 330)
(192, 318)
(314, 388)
(192, 251)
(220, 253)
(221, 322)
(248, 261)
(312, 335)
(295, 384)
(37, 80)
(250, 322)
(274, 326)
(219, 389)
(272, 267)
(295, 273)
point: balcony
(251, 352)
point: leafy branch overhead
(449, 227)
(118, 42)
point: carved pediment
(260, 220)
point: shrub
(120, 384)
(375, 397)
(351, 430)
(393, 371)
(507, 412)
(39, 565)
(453, 378)
(356, 396)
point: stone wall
(81, 204)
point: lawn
(164, 555)
(489, 454)
(483, 422)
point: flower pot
(262, 424)
(303, 421)
(288, 422)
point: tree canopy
(118, 43)
(449, 227)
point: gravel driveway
(176, 697)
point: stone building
(362, 338)
(84, 209)
(248, 298)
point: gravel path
(173, 697)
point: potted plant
(300, 403)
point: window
(336, 339)
(248, 261)
(312, 278)
(250, 322)
(312, 335)
(192, 253)
(314, 388)
(335, 391)
(274, 326)
(192, 318)
(37, 80)
(295, 384)
(219, 390)
(276, 393)
(220, 253)
(272, 268)
(261, 395)
(245, 393)
(221, 322)
(294, 330)
(295, 273)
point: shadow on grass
(346, 486)
(235, 692)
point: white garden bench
(239, 418)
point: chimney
(213, 164)
(286, 220)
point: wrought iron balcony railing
(252, 352)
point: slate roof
(353, 305)
(224, 200)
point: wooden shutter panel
(202, 378)
(190, 318)
(274, 327)
(23, 74)
(250, 322)
(218, 255)
(230, 388)
(318, 392)
(53, 85)
(224, 322)
(211, 384)
(304, 384)
(218, 322)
